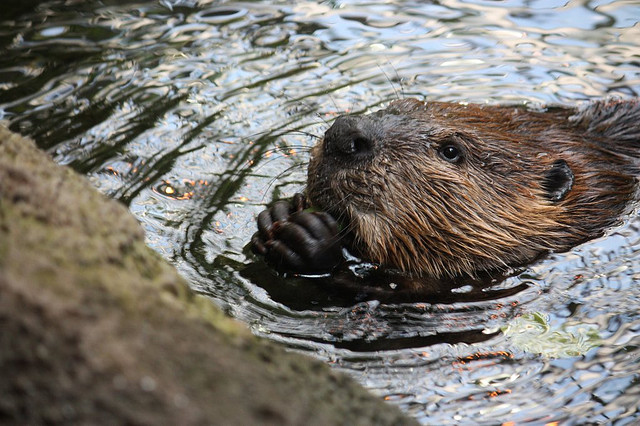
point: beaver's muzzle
(352, 138)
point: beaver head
(441, 189)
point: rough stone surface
(96, 328)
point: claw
(299, 202)
(296, 240)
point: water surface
(195, 114)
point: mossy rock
(96, 328)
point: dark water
(197, 113)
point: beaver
(441, 190)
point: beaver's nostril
(361, 144)
(349, 136)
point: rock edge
(96, 328)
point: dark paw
(294, 240)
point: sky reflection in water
(196, 114)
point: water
(197, 113)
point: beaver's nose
(351, 136)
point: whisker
(263, 159)
(279, 176)
(285, 149)
(309, 134)
(335, 105)
(350, 226)
(266, 161)
(309, 108)
(255, 164)
(403, 93)
(395, 92)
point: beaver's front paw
(298, 241)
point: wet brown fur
(407, 208)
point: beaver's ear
(557, 181)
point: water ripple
(195, 114)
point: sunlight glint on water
(198, 114)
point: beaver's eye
(450, 153)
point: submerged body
(445, 190)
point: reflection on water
(197, 113)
